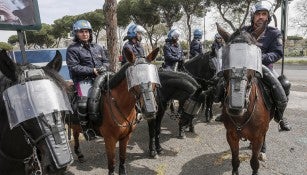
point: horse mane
(242, 36)
(119, 76)
(178, 78)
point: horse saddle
(266, 94)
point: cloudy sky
(51, 10)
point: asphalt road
(207, 152)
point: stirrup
(89, 134)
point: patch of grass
(294, 62)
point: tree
(61, 28)
(13, 39)
(41, 38)
(6, 46)
(109, 9)
(301, 16)
(234, 12)
(170, 11)
(141, 12)
(192, 8)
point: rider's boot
(94, 98)
(279, 96)
(284, 125)
(89, 133)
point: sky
(51, 10)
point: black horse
(24, 148)
(203, 69)
(175, 86)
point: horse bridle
(240, 126)
(32, 161)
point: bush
(6, 46)
(294, 38)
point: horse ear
(129, 55)
(56, 62)
(7, 66)
(225, 35)
(153, 55)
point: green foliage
(13, 39)
(170, 11)
(40, 38)
(142, 12)
(6, 46)
(294, 38)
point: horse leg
(262, 155)
(76, 133)
(208, 112)
(191, 126)
(151, 128)
(233, 142)
(110, 145)
(123, 154)
(254, 162)
(159, 148)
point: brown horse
(118, 110)
(244, 111)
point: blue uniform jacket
(270, 43)
(136, 48)
(195, 48)
(81, 61)
(172, 54)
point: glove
(101, 69)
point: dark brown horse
(244, 111)
(175, 86)
(30, 146)
(118, 110)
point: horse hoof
(153, 154)
(181, 136)
(235, 173)
(160, 151)
(262, 157)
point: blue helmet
(81, 24)
(173, 34)
(133, 29)
(198, 33)
(262, 5)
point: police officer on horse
(173, 53)
(270, 43)
(87, 64)
(134, 36)
(196, 46)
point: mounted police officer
(173, 53)
(134, 36)
(87, 63)
(217, 43)
(196, 46)
(270, 42)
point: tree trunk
(109, 9)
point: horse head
(241, 62)
(32, 132)
(143, 79)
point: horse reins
(111, 99)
